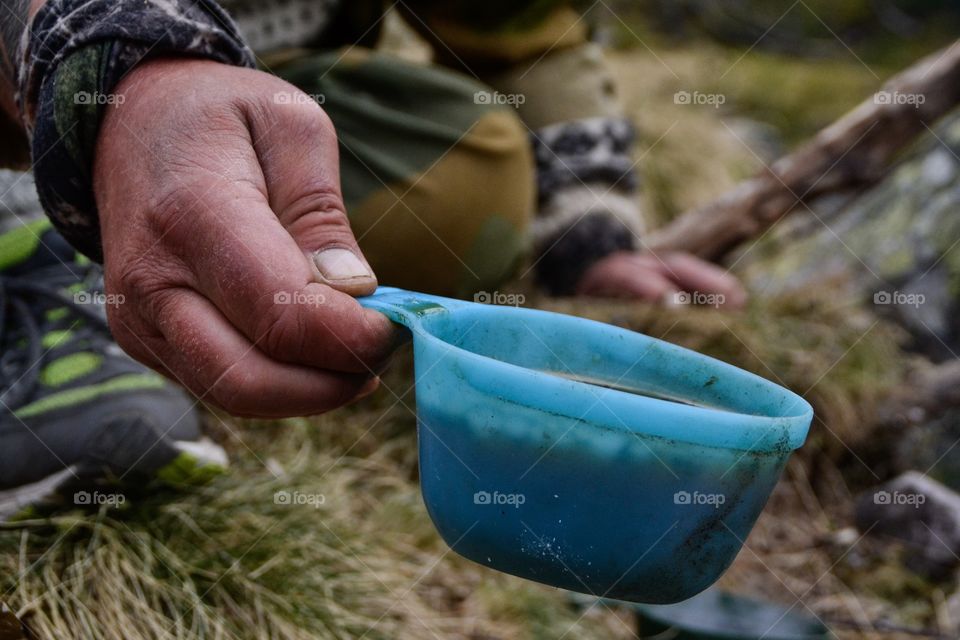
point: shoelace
(19, 376)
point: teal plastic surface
(527, 469)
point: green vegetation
(318, 532)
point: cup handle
(408, 307)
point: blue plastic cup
(640, 485)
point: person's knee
(501, 179)
(459, 226)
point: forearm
(12, 24)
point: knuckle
(280, 332)
(308, 116)
(236, 391)
(135, 279)
(169, 209)
(318, 229)
(148, 289)
(298, 111)
(320, 202)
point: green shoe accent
(79, 412)
(69, 368)
(21, 243)
(56, 338)
(186, 470)
(57, 314)
(63, 399)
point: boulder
(895, 246)
(919, 512)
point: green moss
(799, 97)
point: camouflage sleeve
(587, 209)
(70, 57)
(13, 19)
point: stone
(923, 447)
(894, 246)
(919, 512)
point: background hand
(657, 278)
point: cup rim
(702, 425)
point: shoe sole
(202, 460)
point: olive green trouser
(438, 186)
(437, 172)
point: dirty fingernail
(341, 265)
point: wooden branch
(855, 150)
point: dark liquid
(648, 393)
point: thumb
(297, 148)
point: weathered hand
(658, 278)
(224, 230)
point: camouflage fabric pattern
(73, 55)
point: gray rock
(895, 246)
(923, 448)
(762, 138)
(921, 513)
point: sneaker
(76, 413)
